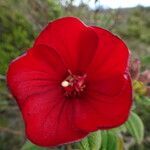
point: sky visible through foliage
(115, 3)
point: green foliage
(40, 12)
(146, 59)
(135, 25)
(29, 146)
(84, 144)
(135, 127)
(146, 100)
(101, 140)
(16, 36)
(92, 142)
(135, 28)
(95, 140)
(111, 141)
(142, 100)
(19, 25)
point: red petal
(111, 57)
(49, 119)
(35, 72)
(74, 41)
(111, 86)
(34, 80)
(99, 111)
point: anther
(65, 83)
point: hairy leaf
(135, 127)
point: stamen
(74, 85)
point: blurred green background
(22, 20)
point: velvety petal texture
(74, 80)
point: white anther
(65, 83)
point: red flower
(73, 81)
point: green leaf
(111, 141)
(95, 140)
(91, 142)
(29, 146)
(84, 144)
(119, 129)
(135, 127)
(146, 100)
(142, 99)
(145, 60)
(104, 140)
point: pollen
(65, 84)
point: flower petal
(111, 86)
(35, 81)
(49, 119)
(111, 56)
(35, 72)
(101, 112)
(74, 41)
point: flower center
(74, 85)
